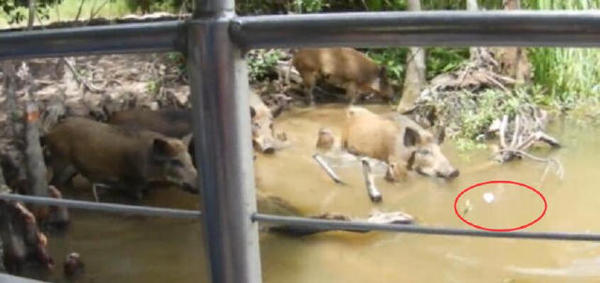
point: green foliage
(261, 64)
(309, 6)
(150, 6)
(177, 60)
(443, 60)
(569, 75)
(469, 114)
(393, 59)
(438, 60)
(16, 10)
(490, 105)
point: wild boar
(396, 140)
(123, 158)
(178, 123)
(343, 67)
(175, 123)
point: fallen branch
(559, 168)
(327, 169)
(78, 77)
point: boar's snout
(454, 174)
(269, 150)
(263, 146)
(450, 175)
(172, 162)
(191, 188)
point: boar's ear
(187, 139)
(411, 137)
(441, 135)
(160, 148)
(252, 112)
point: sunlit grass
(68, 9)
(569, 75)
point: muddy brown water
(138, 249)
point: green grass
(67, 10)
(570, 76)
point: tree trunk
(31, 17)
(8, 68)
(414, 81)
(513, 60)
(36, 169)
(472, 6)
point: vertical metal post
(219, 86)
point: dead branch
(79, 10)
(372, 190)
(550, 161)
(78, 77)
(503, 130)
(94, 13)
(513, 142)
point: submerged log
(393, 218)
(275, 205)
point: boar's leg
(62, 172)
(59, 215)
(309, 80)
(95, 187)
(351, 92)
(95, 192)
(374, 194)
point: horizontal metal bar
(415, 229)
(106, 207)
(431, 28)
(121, 38)
(14, 279)
(366, 29)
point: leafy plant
(16, 10)
(570, 75)
(261, 64)
(443, 60)
(393, 59)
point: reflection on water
(137, 249)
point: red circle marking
(500, 182)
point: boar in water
(173, 123)
(178, 123)
(124, 158)
(396, 140)
(342, 67)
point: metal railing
(214, 42)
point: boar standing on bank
(342, 67)
(398, 141)
(124, 158)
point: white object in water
(488, 197)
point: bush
(261, 64)
(16, 10)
